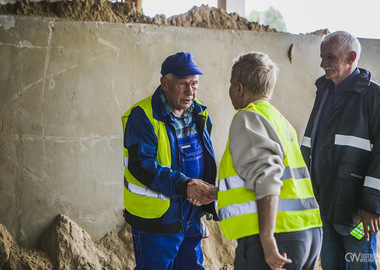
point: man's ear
(351, 57)
(240, 89)
(164, 83)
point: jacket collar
(159, 112)
(358, 83)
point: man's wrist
(182, 186)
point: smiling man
(170, 170)
(341, 148)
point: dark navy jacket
(141, 142)
(350, 150)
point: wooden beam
(222, 4)
(137, 4)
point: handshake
(200, 192)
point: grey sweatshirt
(257, 153)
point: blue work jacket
(349, 154)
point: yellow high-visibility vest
(297, 207)
(139, 200)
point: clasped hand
(200, 192)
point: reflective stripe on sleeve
(125, 162)
(284, 205)
(352, 141)
(372, 182)
(144, 191)
(306, 141)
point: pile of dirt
(65, 245)
(99, 10)
(70, 247)
(14, 257)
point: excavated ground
(99, 10)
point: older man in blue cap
(170, 170)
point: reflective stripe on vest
(140, 190)
(143, 191)
(295, 173)
(297, 207)
(236, 182)
(284, 205)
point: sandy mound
(17, 258)
(70, 247)
(98, 10)
(65, 245)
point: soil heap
(99, 10)
(65, 246)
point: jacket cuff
(182, 186)
(370, 200)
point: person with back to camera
(167, 151)
(341, 147)
(265, 197)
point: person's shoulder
(374, 85)
(241, 113)
(321, 81)
(248, 118)
(365, 80)
(199, 106)
(373, 92)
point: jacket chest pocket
(349, 184)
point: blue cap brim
(187, 71)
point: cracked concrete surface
(65, 84)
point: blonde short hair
(256, 72)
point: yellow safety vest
(139, 200)
(297, 207)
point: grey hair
(256, 72)
(347, 41)
(169, 76)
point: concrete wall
(65, 84)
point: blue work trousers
(180, 251)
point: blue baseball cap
(180, 65)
